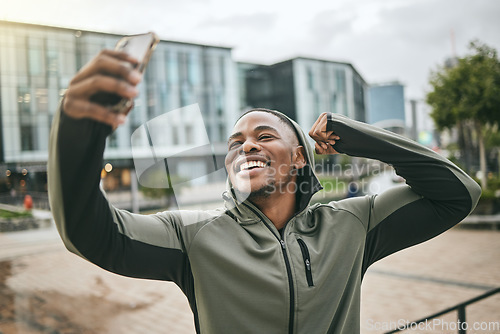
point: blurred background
(428, 70)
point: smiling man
(263, 158)
(268, 261)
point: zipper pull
(282, 242)
(307, 261)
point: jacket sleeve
(437, 194)
(128, 244)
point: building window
(194, 69)
(183, 67)
(185, 96)
(35, 56)
(42, 101)
(317, 110)
(172, 69)
(151, 100)
(52, 61)
(333, 103)
(324, 76)
(113, 140)
(219, 100)
(27, 142)
(310, 79)
(340, 81)
(222, 69)
(23, 100)
(222, 133)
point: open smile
(250, 163)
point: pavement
(46, 289)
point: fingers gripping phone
(140, 47)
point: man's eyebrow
(257, 128)
(264, 128)
(234, 135)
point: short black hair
(284, 119)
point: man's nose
(249, 145)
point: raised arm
(437, 194)
(128, 244)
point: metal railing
(460, 308)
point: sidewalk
(424, 279)
(44, 288)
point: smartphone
(140, 47)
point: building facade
(37, 64)
(386, 106)
(303, 88)
(189, 99)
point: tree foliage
(468, 91)
(467, 95)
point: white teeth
(251, 164)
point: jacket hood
(307, 179)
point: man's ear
(299, 157)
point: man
(268, 262)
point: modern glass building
(182, 80)
(37, 63)
(303, 88)
(386, 106)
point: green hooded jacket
(239, 274)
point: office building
(303, 88)
(37, 64)
(386, 106)
(189, 99)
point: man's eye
(234, 144)
(265, 137)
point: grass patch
(333, 184)
(14, 214)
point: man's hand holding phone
(111, 72)
(103, 90)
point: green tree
(467, 96)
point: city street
(165, 108)
(46, 289)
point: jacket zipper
(307, 261)
(290, 286)
(281, 240)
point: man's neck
(279, 208)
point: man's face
(263, 153)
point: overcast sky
(385, 40)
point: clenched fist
(324, 139)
